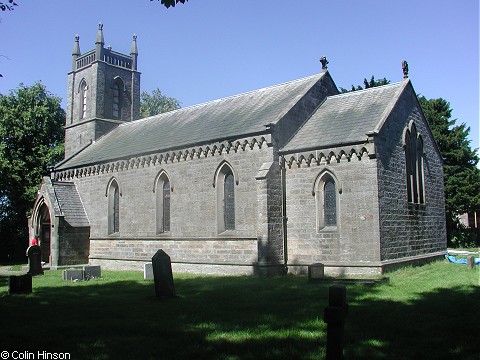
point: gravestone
(162, 275)
(91, 271)
(470, 262)
(334, 315)
(20, 284)
(72, 275)
(316, 272)
(34, 253)
(148, 271)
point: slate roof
(70, 204)
(227, 118)
(346, 118)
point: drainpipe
(284, 212)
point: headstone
(72, 275)
(334, 315)
(162, 275)
(470, 262)
(316, 272)
(91, 271)
(34, 253)
(148, 271)
(20, 284)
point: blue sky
(208, 49)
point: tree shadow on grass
(442, 324)
(212, 318)
(235, 318)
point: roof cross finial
(324, 62)
(405, 69)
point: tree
(156, 103)
(31, 129)
(462, 177)
(367, 84)
(7, 6)
(168, 3)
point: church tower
(103, 92)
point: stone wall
(409, 229)
(130, 97)
(73, 244)
(131, 253)
(193, 237)
(355, 240)
(74, 98)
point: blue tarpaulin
(454, 260)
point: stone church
(267, 181)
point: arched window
(83, 99)
(329, 203)
(413, 144)
(166, 206)
(113, 195)
(225, 181)
(229, 201)
(163, 190)
(118, 88)
(326, 192)
(116, 101)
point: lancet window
(163, 195)
(113, 195)
(413, 143)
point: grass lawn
(428, 312)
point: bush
(463, 237)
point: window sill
(228, 233)
(165, 234)
(327, 229)
(416, 205)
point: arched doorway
(44, 231)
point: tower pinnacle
(99, 43)
(100, 39)
(75, 52)
(134, 52)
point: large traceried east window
(162, 189)
(325, 190)
(113, 195)
(413, 144)
(225, 180)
